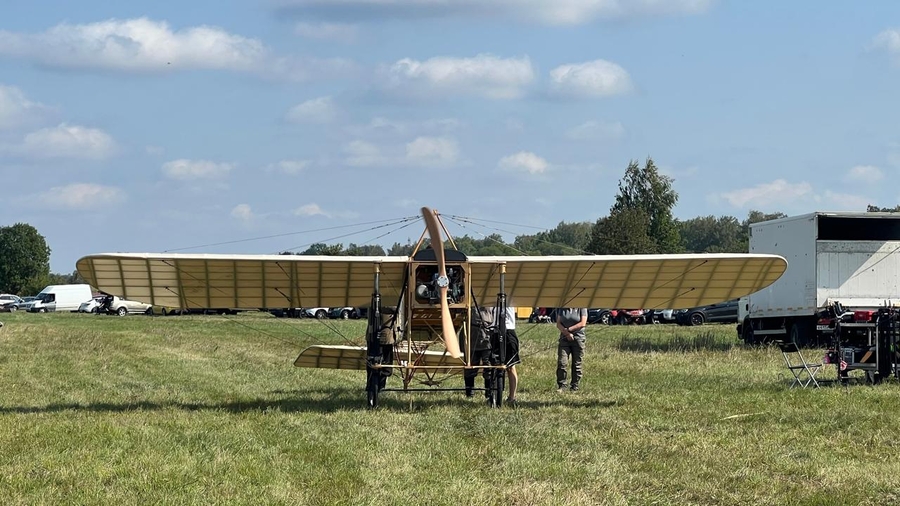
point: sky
(259, 126)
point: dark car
(603, 316)
(721, 312)
(345, 313)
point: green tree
(364, 251)
(566, 239)
(622, 233)
(645, 189)
(708, 234)
(875, 209)
(321, 248)
(24, 258)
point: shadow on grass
(702, 341)
(333, 401)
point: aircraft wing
(625, 281)
(324, 356)
(243, 281)
(266, 281)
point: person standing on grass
(512, 351)
(571, 322)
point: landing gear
(496, 386)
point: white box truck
(60, 298)
(841, 267)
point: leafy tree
(566, 239)
(875, 209)
(645, 189)
(401, 249)
(364, 251)
(708, 234)
(320, 248)
(622, 233)
(24, 258)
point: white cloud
(380, 126)
(317, 110)
(593, 79)
(420, 152)
(866, 174)
(16, 110)
(79, 196)
(339, 32)
(364, 154)
(146, 45)
(242, 212)
(184, 169)
(68, 141)
(596, 130)
(778, 192)
(524, 161)
(888, 40)
(558, 12)
(484, 75)
(310, 210)
(844, 201)
(289, 167)
(432, 151)
(136, 45)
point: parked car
(316, 312)
(632, 316)
(722, 312)
(10, 302)
(600, 315)
(121, 307)
(345, 313)
(91, 306)
(288, 312)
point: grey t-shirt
(569, 316)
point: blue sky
(147, 127)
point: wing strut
(451, 339)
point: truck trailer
(842, 268)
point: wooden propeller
(451, 339)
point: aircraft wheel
(495, 394)
(372, 377)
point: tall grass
(209, 410)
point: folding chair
(803, 371)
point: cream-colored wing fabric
(625, 281)
(243, 281)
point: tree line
(640, 221)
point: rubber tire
(121, 311)
(321, 314)
(345, 315)
(606, 318)
(696, 319)
(42, 310)
(747, 333)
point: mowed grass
(210, 410)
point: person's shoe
(561, 387)
(470, 393)
(511, 402)
(574, 388)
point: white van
(59, 298)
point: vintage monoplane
(422, 307)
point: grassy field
(210, 410)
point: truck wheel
(747, 333)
